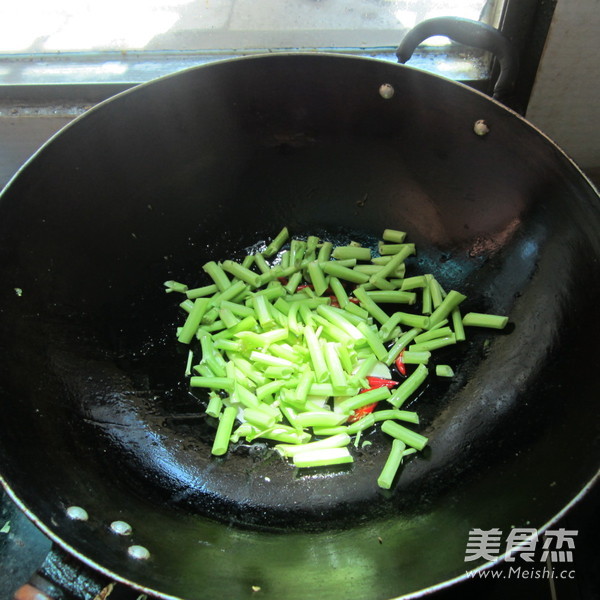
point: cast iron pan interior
(200, 166)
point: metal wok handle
(57, 576)
(470, 33)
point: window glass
(43, 26)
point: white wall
(565, 103)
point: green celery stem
(483, 320)
(409, 437)
(392, 464)
(224, 429)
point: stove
(24, 549)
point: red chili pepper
(353, 299)
(377, 382)
(283, 280)
(304, 285)
(361, 412)
(334, 301)
(400, 364)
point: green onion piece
(374, 341)
(434, 344)
(210, 355)
(306, 380)
(399, 415)
(331, 268)
(320, 419)
(393, 235)
(237, 309)
(269, 360)
(347, 262)
(381, 283)
(175, 286)
(216, 273)
(206, 290)
(317, 278)
(272, 292)
(228, 317)
(188, 331)
(392, 464)
(360, 425)
(355, 402)
(283, 434)
(338, 318)
(405, 249)
(316, 354)
(416, 357)
(204, 370)
(187, 305)
(241, 272)
(334, 365)
(346, 357)
(324, 252)
(368, 269)
(447, 305)
(330, 431)
(409, 386)
(345, 252)
(444, 371)
(394, 263)
(457, 324)
(262, 312)
(420, 321)
(432, 334)
(394, 297)
(411, 283)
(382, 260)
(410, 438)
(338, 289)
(234, 290)
(370, 306)
(293, 282)
(354, 309)
(259, 418)
(483, 320)
(246, 324)
(217, 383)
(261, 263)
(279, 240)
(321, 458)
(224, 429)
(215, 404)
(333, 441)
(400, 344)
(244, 396)
(434, 290)
(426, 307)
(366, 366)
(297, 251)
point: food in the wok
(308, 345)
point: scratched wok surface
(199, 166)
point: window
(125, 42)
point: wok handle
(470, 33)
(59, 573)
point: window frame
(524, 22)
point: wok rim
(468, 575)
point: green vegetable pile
(295, 347)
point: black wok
(197, 166)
